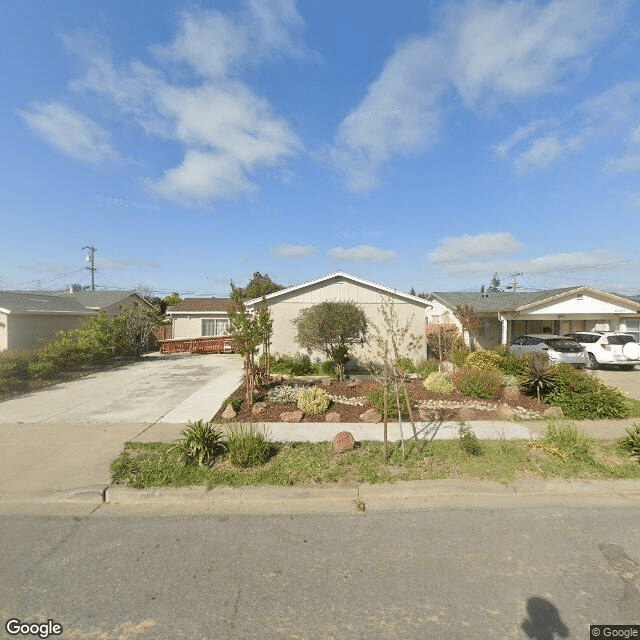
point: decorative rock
(510, 394)
(326, 382)
(291, 416)
(343, 441)
(505, 412)
(370, 415)
(447, 367)
(352, 383)
(553, 412)
(466, 413)
(428, 415)
(258, 407)
(229, 412)
(332, 416)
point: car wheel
(593, 363)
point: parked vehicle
(608, 347)
(558, 348)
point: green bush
(469, 441)
(41, 368)
(438, 383)
(425, 367)
(376, 398)
(313, 400)
(298, 365)
(510, 364)
(14, 369)
(477, 384)
(483, 361)
(405, 365)
(236, 403)
(201, 444)
(248, 447)
(459, 354)
(328, 368)
(631, 441)
(582, 396)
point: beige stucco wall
(3, 331)
(191, 326)
(30, 331)
(285, 309)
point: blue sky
(416, 144)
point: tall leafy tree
(259, 286)
(331, 328)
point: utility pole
(92, 268)
(514, 282)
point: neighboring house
(504, 316)
(286, 304)
(195, 318)
(109, 301)
(28, 319)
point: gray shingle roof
(499, 301)
(28, 302)
(100, 299)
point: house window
(215, 327)
(633, 327)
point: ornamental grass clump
(631, 441)
(565, 441)
(201, 444)
(248, 447)
(313, 400)
(477, 384)
(469, 441)
(438, 382)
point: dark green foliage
(248, 447)
(201, 444)
(376, 398)
(631, 441)
(260, 285)
(581, 396)
(331, 328)
(477, 384)
(405, 365)
(511, 364)
(469, 441)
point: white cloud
(502, 149)
(466, 247)
(484, 52)
(293, 250)
(70, 131)
(628, 163)
(543, 152)
(362, 253)
(227, 131)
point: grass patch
(634, 407)
(302, 464)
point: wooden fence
(218, 344)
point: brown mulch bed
(358, 388)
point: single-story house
(196, 318)
(109, 302)
(27, 319)
(504, 316)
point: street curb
(377, 497)
(91, 494)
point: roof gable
(23, 302)
(339, 275)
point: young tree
(332, 328)
(249, 331)
(495, 285)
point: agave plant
(538, 375)
(201, 444)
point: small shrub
(328, 368)
(631, 441)
(438, 383)
(425, 367)
(248, 447)
(582, 396)
(483, 361)
(459, 354)
(298, 365)
(285, 393)
(41, 369)
(563, 438)
(405, 365)
(201, 444)
(539, 375)
(236, 403)
(313, 400)
(510, 364)
(477, 384)
(376, 398)
(469, 441)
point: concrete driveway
(627, 381)
(62, 439)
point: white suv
(608, 347)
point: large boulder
(343, 441)
(505, 412)
(258, 408)
(511, 394)
(370, 415)
(229, 412)
(466, 413)
(332, 416)
(553, 412)
(291, 416)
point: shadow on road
(544, 620)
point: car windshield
(562, 343)
(621, 339)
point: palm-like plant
(201, 444)
(538, 375)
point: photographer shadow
(543, 622)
